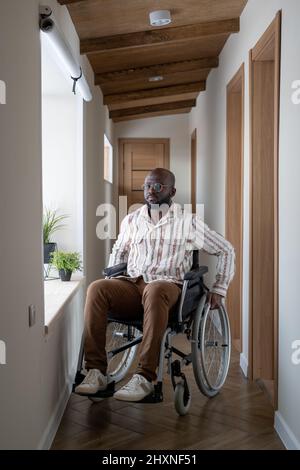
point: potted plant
(51, 223)
(66, 263)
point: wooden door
(234, 198)
(263, 295)
(136, 158)
(194, 170)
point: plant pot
(48, 249)
(65, 275)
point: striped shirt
(164, 251)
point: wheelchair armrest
(195, 274)
(117, 270)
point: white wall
(210, 119)
(35, 381)
(98, 191)
(176, 129)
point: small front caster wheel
(182, 398)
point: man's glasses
(157, 187)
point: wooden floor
(240, 417)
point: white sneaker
(135, 390)
(93, 383)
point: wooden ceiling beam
(150, 101)
(160, 69)
(162, 36)
(68, 2)
(153, 93)
(153, 114)
(152, 108)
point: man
(157, 242)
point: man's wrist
(218, 291)
(219, 288)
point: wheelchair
(208, 332)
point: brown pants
(125, 298)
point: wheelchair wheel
(210, 348)
(117, 335)
(182, 398)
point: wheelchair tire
(182, 398)
(116, 336)
(211, 348)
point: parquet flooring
(240, 417)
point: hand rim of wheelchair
(199, 351)
(127, 356)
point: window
(108, 160)
(62, 165)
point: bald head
(164, 175)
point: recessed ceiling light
(157, 78)
(160, 18)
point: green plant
(51, 223)
(66, 261)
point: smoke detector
(160, 18)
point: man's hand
(215, 300)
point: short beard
(158, 210)
(167, 200)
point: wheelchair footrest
(156, 396)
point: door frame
(273, 33)
(238, 77)
(121, 162)
(194, 170)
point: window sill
(57, 294)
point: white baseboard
(285, 433)
(54, 422)
(244, 364)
